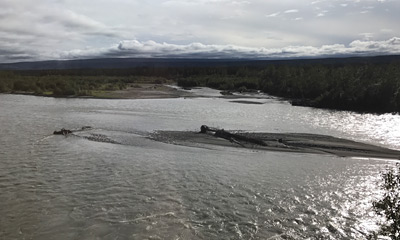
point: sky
(79, 29)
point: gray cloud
(34, 28)
(134, 48)
(51, 29)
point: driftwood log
(233, 137)
(64, 131)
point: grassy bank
(61, 84)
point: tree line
(357, 86)
(68, 82)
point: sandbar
(283, 142)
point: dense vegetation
(389, 205)
(366, 86)
(68, 83)
(358, 87)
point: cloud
(381, 47)
(52, 29)
(322, 13)
(367, 36)
(240, 3)
(318, 1)
(25, 23)
(273, 14)
(135, 48)
(292, 11)
(153, 49)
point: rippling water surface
(56, 187)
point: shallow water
(56, 187)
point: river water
(56, 187)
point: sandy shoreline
(157, 91)
(147, 91)
(138, 91)
(284, 142)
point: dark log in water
(233, 137)
(64, 131)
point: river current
(131, 187)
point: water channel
(57, 187)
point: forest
(359, 87)
(363, 86)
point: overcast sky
(71, 29)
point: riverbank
(144, 91)
(137, 91)
(282, 142)
(159, 91)
(368, 85)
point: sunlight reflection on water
(56, 187)
(382, 129)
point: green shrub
(65, 91)
(389, 205)
(3, 87)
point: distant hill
(117, 63)
(122, 63)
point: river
(57, 187)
